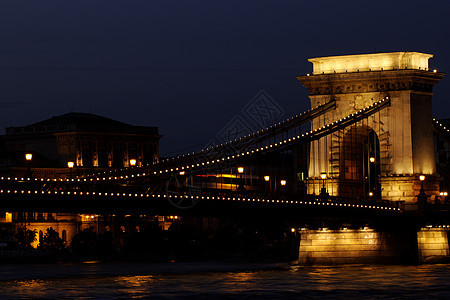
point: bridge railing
(398, 205)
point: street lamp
(29, 157)
(132, 162)
(422, 197)
(283, 182)
(372, 159)
(240, 171)
(70, 165)
(267, 179)
(323, 191)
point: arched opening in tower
(359, 169)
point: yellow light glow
(182, 173)
(28, 156)
(422, 177)
(323, 176)
(226, 175)
(266, 178)
(240, 170)
(70, 164)
(132, 162)
(283, 182)
(370, 62)
(372, 159)
(445, 194)
(370, 194)
(292, 229)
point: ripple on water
(206, 280)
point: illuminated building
(88, 140)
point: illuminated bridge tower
(384, 154)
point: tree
(85, 243)
(25, 237)
(51, 241)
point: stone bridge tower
(384, 154)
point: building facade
(88, 140)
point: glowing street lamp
(70, 165)
(240, 171)
(323, 191)
(283, 182)
(28, 158)
(372, 159)
(443, 197)
(267, 179)
(422, 197)
(132, 162)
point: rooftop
(81, 122)
(370, 62)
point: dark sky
(190, 67)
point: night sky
(190, 67)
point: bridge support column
(362, 246)
(407, 187)
(355, 246)
(432, 244)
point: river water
(224, 280)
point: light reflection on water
(206, 280)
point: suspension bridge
(363, 154)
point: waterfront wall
(354, 246)
(432, 245)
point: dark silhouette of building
(88, 140)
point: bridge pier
(370, 246)
(407, 187)
(384, 153)
(432, 244)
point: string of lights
(310, 135)
(315, 202)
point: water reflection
(133, 286)
(238, 281)
(207, 280)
